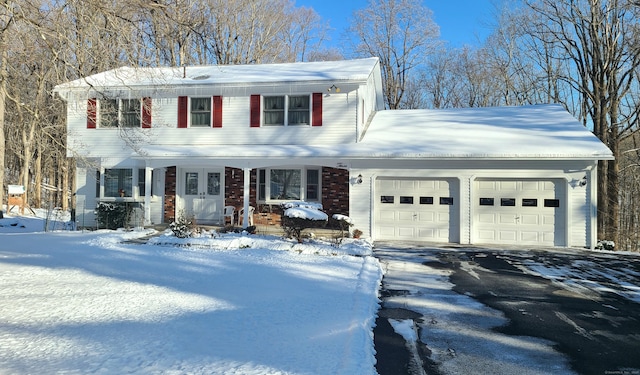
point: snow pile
(95, 302)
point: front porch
(241, 188)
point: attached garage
(527, 212)
(417, 209)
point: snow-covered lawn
(89, 302)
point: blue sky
(461, 21)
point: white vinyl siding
(339, 124)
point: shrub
(343, 223)
(605, 245)
(183, 227)
(113, 215)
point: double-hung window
(287, 110)
(282, 184)
(201, 112)
(119, 112)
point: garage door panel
(427, 217)
(506, 218)
(406, 232)
(508, 235)
(405, 216)
(487, 218)
(487, 235)
(526, 236)
(387, 215)
(507, 185)
(530, 219)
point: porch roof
(500, 133)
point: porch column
(147, 195)
(245, 197)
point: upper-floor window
(119, 112)
(287, 110)
(114, 113)
(201, 112)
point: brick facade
(335, 191)
(170, 195)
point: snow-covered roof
(537, 131)
(526, 132)
(130, 77)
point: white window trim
(120, 115)
(303, 184)
(136, 194)
(286, 110)
(189, 111)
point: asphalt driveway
(507, 311)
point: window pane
(108, 113)
(201, 112)
(507, 202)
(141, 182)
(130, 113)
(118, 182)
(486, 201)
(262, 184)
(386, 199)
(313, 185)
(285, 184)
(213, 184)
(274, 110)
(426, 200)
(529, 202)
(552, 203)
(299, 110)
(446, 201)
(406, 200)
(191, 183)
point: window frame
(287, 111)
(119, 114)
(263, 182)
(200, 112)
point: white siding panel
(339, 126)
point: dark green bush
(113, 215)
(293, 226)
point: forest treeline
(584, 54)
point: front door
(203, 195)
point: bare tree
(596, 37)
(402, 34)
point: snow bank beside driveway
(76, 303)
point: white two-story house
(192, 140)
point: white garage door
(527, 212)
(418, 210)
